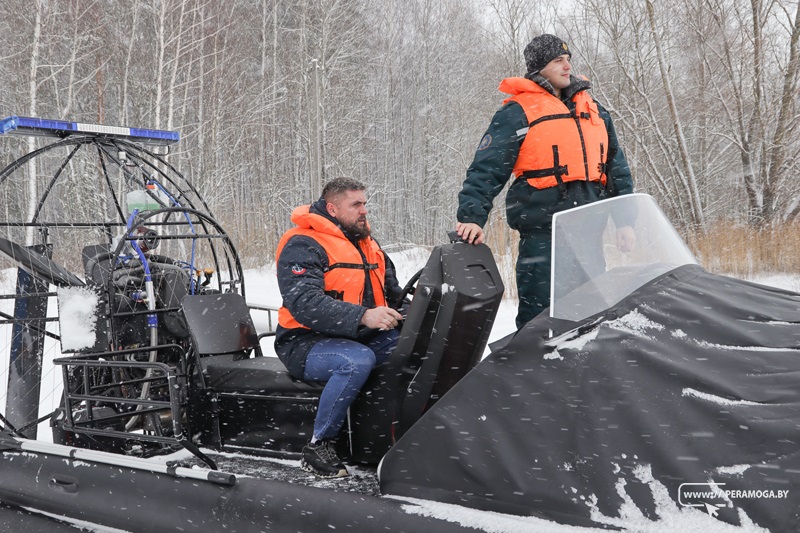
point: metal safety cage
(113, 399)
(99, 215)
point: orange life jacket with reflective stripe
(347, 270)
(560, 145)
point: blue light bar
(39, 127)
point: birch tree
(274, 98)
(33, 82)
(687, 176)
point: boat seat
(257, 374)
(225, 339)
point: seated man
(335, 324)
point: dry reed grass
(725, 248)
(740, 251)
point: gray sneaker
(321, 460)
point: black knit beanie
(542, 50)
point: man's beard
(357, 231)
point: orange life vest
(347, 270)
(560, 145)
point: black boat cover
(683, 397)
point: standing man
(561, 149)
(335, 324)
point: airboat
(650, 390)
(123, 272)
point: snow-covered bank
(262, 289)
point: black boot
(321, 460)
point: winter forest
(274, 97)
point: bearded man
(335, 324)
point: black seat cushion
(261, 374)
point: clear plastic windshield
(604, 251)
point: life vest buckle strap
(561, 187)
(557, 172)
(558, 116)
(354, 266)
(602, 166)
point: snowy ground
(261, 286)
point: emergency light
(39, 127)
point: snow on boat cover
(684, 388)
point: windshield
(591, 272)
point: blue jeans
(344, 365)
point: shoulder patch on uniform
(485, 143)
(298, 270)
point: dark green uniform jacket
(530, 210)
